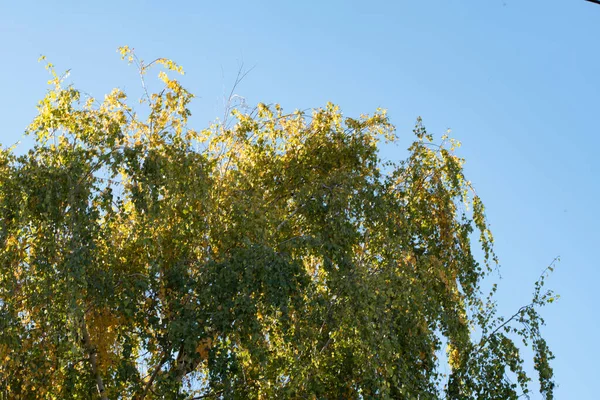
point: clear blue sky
(518, 81)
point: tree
(269, 257)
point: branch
(288, 218)
(204, 396)
(153, 376)
(93, 360)
(515, 315)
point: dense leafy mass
(271, 256)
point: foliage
(266, 258)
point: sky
(516, 81)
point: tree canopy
(273, 255)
